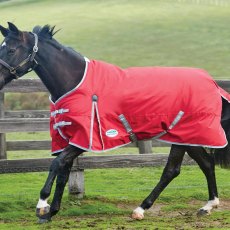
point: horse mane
(45, 32)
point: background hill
(135, 33)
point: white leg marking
(138, 213)
(42, 203)
(211, 204)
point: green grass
(126, 33)
(111, 195)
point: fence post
(76, 182)
(145, 146)
(2, 135)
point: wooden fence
(36, 121)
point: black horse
(61, 69)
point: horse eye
(11, 51)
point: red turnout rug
(112, 107)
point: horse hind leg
(171, 170)
(206, 163)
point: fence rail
(38, 120)
(90, 162)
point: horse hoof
(43, 221)
(203, 212)
(137, 216)
(43, 214)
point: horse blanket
(112, 106)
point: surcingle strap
(132, 135)
(128, 128)
(174, 122)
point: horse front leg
(171, 170)
(206, 163)
(60, 168)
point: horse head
(17, 53)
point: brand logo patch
(111, 133)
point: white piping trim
(91, 125)
(99, 122)
(76, 87)
(222, 95)
(224, 98)
(57, 151)
(86, 59)
(119, 146)
(206, 146)
(62, 135)
(99, 151)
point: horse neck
(60, 69)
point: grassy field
(111, 195)
(126, 33)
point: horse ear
(4, 31)
(13, 28)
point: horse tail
(222, 156)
